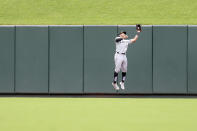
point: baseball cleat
(115, 86)
(122, 85)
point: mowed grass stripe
(97, 12)
(98, 114)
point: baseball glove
(138, 27)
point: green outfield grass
(95, 12)
(98, 114)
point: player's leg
(118, 62)
(124, 68)
(124, 72)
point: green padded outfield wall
(170, 59)
(66, 59)
(139, 56)
(192, 59)
(99, 51)
(80, 59)
(7, 38)
(31, 59)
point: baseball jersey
(122, 45)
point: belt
(121, 53)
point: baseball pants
(120, 62)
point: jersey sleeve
(118, 39)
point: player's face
(124, 36)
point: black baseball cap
(123, 32)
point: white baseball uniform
(120, 55)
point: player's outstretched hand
(138, 28)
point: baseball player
(120, 58)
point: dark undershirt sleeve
(117, 39)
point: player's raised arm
(138, 29)
(136, 37)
